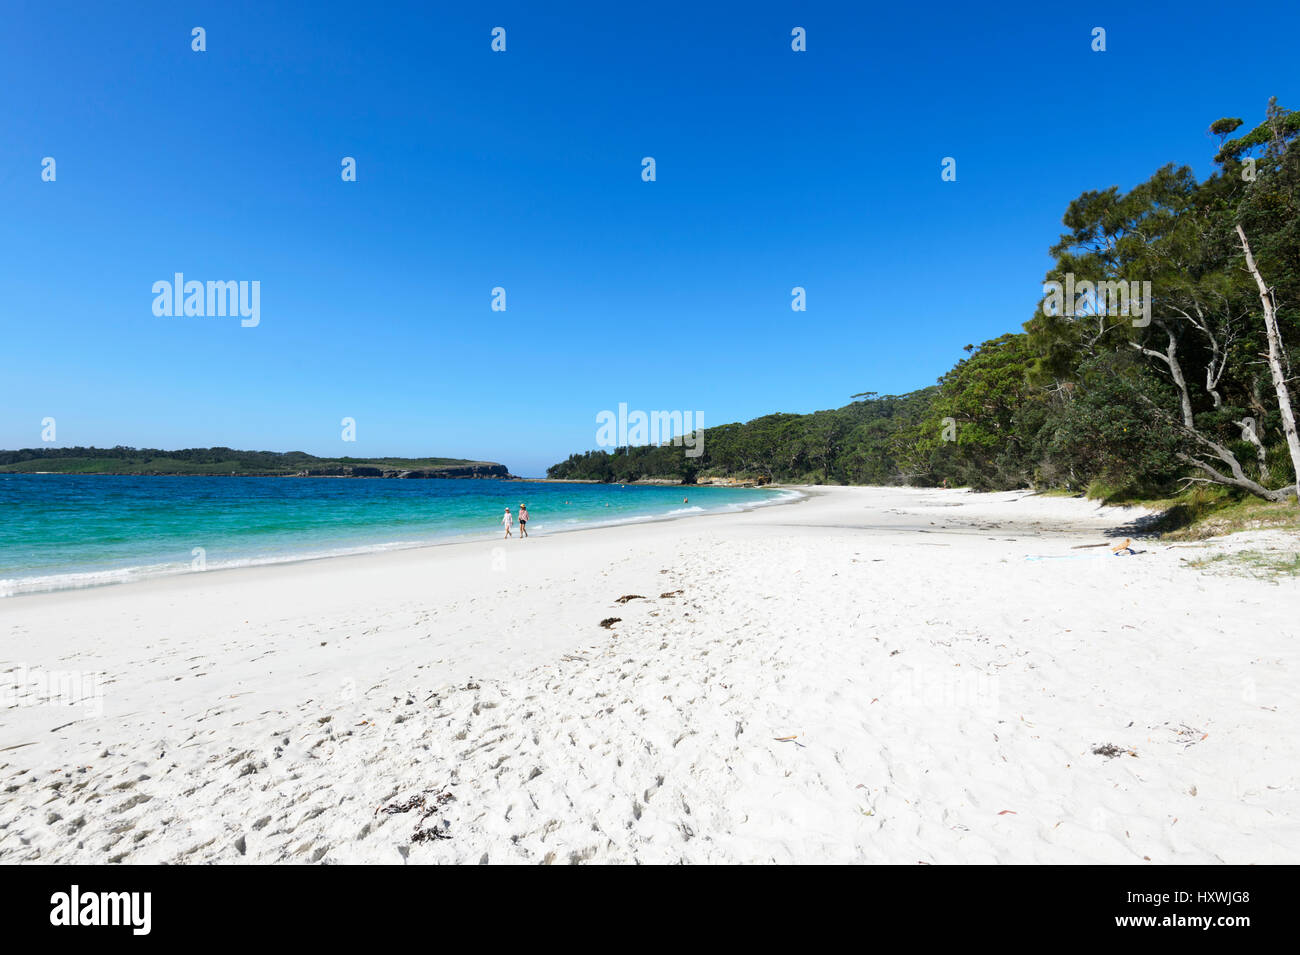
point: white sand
(945, 695)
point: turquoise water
(59, 530)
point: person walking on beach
(506, 521)
(523, 521)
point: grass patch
(1216, 515)
(1265, 565)
(1136, 493)
(1200, 512)
(1104, 493)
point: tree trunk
(1261, 454)
(1170, 359)
(1275, 358)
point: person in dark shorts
(523, 521)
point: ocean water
(64, 531)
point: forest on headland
(1157, 363)
(229, 461)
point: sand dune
(871, 675)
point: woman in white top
(507, 521)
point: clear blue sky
(522, 170)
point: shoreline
(84, 580)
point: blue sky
(522, 170)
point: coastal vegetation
(1179, 387)
(228, 461)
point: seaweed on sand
(429, 804)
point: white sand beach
(870, 675)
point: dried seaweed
(1109, 750)
(428, 835)
(429, 801)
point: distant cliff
(477, 469)
(228, 462)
